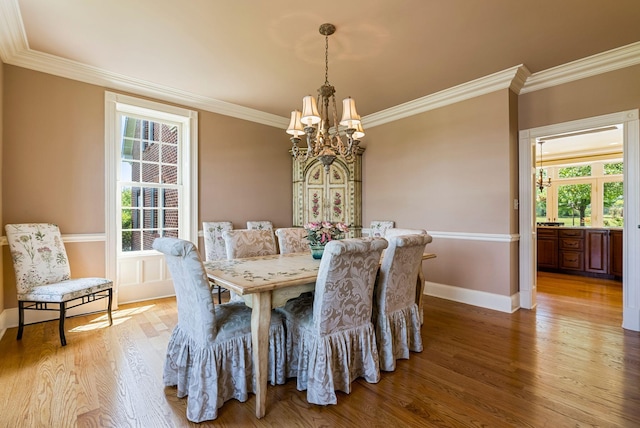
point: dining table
(267, 282)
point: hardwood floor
(567, 363)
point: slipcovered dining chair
(292, 240)
(209, 354)
(43, 274)
(214, 247)
(330, 335)
(249, 243)
(377, 227)
(259, 224)
(395, 313)
(395, 231)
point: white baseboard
(482, 299)
(631, 319)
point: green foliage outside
(613, 201)
(613, 168)
(127, 221)
(575, 199)
(575, 171)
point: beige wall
(53, 166)
(451, 170)
(611, 92)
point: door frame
(631, 229)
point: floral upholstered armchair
(214, 247)
(260, 224)
(378, 227)
(43, 275)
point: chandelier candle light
(323, 137)
(540, 181)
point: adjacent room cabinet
(580, 251)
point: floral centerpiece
(321, 232)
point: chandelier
(540, 181)
(325, 137)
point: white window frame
(117, 104)
(596, 179)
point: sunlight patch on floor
(119, 317)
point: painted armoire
(334, 196)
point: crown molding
(14, 50)
(512, 78)
(12, 36)
(62, 67)
(615, 59)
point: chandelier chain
(326, 60)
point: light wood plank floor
(566, 364)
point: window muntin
(605, 181)
(150, 189)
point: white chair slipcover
(249, 243)
(330, 338)
(209, 355)
(377, 227)
(43, 274)
(292, 240)
(259, 224)
(395, 231)
(214, 247)
(396, 315)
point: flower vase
(316, 251)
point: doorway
(631, 238)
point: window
(587, 194)
(153, 149)
(149, 185)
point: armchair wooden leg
(63, 313)
(20, 319)
(109, 306)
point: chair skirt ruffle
(397, 334)
(325, 364)
(214, 373)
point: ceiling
(266, 55)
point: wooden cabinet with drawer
(586, 251)
(596, 255)
(615, 253)
(571, 244)
(547, 248)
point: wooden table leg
(420, 294)
(260, 322)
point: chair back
(292, 240)
(344, 288)
(396, 283)
(214, 246)
(196, 314)
(249, 243)
(262, 224)
(378, 227)
(394, 231)
(38, 254)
